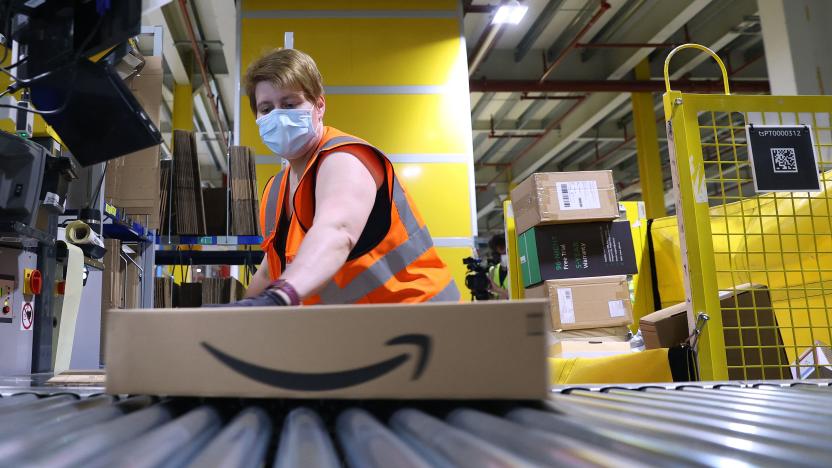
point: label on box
(617, 309)
(567, 308)
(578, 195)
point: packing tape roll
(79, 232)
(62, 354)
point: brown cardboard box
(480, 350)
(753, 346)
(589, 349)
(564, 197)
(604, 334)
(581, 303)
(665, 328)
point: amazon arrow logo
(323, 381)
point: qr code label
(784, 160)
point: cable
(20, 83)
(100, 183)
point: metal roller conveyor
(776, 423)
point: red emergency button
(6, 310)
(32, 282)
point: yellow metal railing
(758, 265)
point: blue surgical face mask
(287, 131)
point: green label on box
(529, 262)
(206, 240)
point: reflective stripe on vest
(449, 294)
(271, 204)
(376, 275)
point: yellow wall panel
(446, 210)
(452, 256)
(350, 5)
(364, 52)
(416, 123)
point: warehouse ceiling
(552, 93)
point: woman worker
(339, 227)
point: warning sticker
(27, 316)
(578, 195)
(617, 309)
(567, 308)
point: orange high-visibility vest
(399, 265)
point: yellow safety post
(515, 283)
(695, 227)
(641, 285)
(647, 148)
(183, 107)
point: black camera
(476, 279)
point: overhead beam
(614, 86)
(540, 24)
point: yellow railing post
(693, 215)
(647, 148)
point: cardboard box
(665, 328)
(589, 349)
(576, 251)
(483, 350)
(753, 346)
(583, 303)
(564, 197)
(602, 334)
(814, 363)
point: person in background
(498, 270)
(338, 225)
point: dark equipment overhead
(87, 104)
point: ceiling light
(510, 13)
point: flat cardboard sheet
(589, 348)
(483, 350)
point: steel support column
(647, 147)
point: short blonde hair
(285, 68)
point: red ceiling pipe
(493, 133)
(607, 154)
(515, 135)
(625, 45)
(613, 86)
(478, 8)
(526, 97)
(555, 124)
(548, 71)
(742, 67)
(203, 70)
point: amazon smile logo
(323, 381)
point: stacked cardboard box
(245, 206)
(573, 252)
